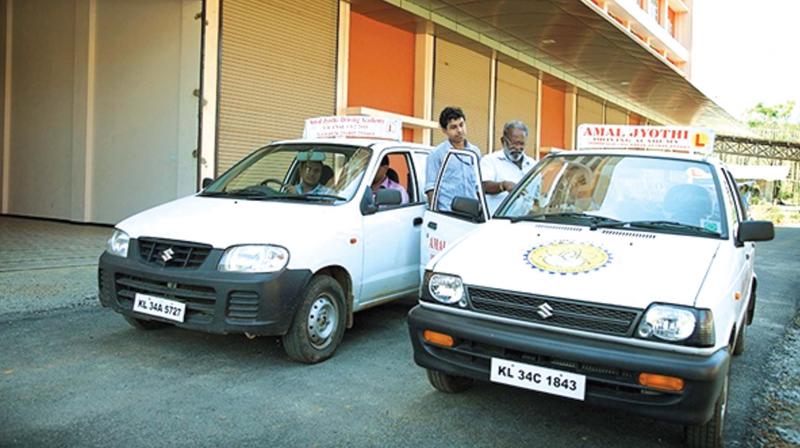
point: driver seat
(326, 176)
(687, 204)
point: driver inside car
(311, 169)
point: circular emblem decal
(567, 257)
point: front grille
(104, 286)
(242, 305)
(199, 300)
(173, 254)
(604, 319)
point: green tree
(774, 122)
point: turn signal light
(662, 382)
(434, 337)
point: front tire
(741, 339)
(318, 325)
(449, 384)
(709, 434)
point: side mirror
(467, 207)
(206, 182)
(756, 231)
(387, 197)
(367, 204)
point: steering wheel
(281, 185)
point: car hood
(223, 222)
(609, 266)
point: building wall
(3, 28)
(381, 67)
(102, 119)
(41, 108)
(145, 113)
(381, 72)
(552, 127)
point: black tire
(741, 340)
(449, 384)
(318, 325)
(709, 434)
(142, 324)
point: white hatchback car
(259, 252)
(622, 278)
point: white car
(622, 278)
(258, 253)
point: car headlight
(118, 243)
(254, 258)
(447, 289)
(677, 324)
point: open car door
(458, 205)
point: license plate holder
(159, 307)
(540, 379)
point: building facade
(112, 106)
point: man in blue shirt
(459, 178)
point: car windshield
(295, 172)
(637, 192)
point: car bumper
(216, 302)
(611, 370)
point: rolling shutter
(277, 68)
(462, 79)
(590, 110)
(515, 100)
(616, 116)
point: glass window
(653, 9)
(299, 172)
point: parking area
(75, 374)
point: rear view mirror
(467, 207)
(756, 231)
(206, 182)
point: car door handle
(417, 221)
(432, 225)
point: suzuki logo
(545, 311)
(167, 255)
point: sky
(747, 51)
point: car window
(299, 171)
(741, 210)
(620, 188)
(395, 171)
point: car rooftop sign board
(658, 138)
(343, 126)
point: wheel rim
(323, 317)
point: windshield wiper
(663, 225)
(249, 192)
(319, 196)
(593, 219)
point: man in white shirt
(502, 169)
